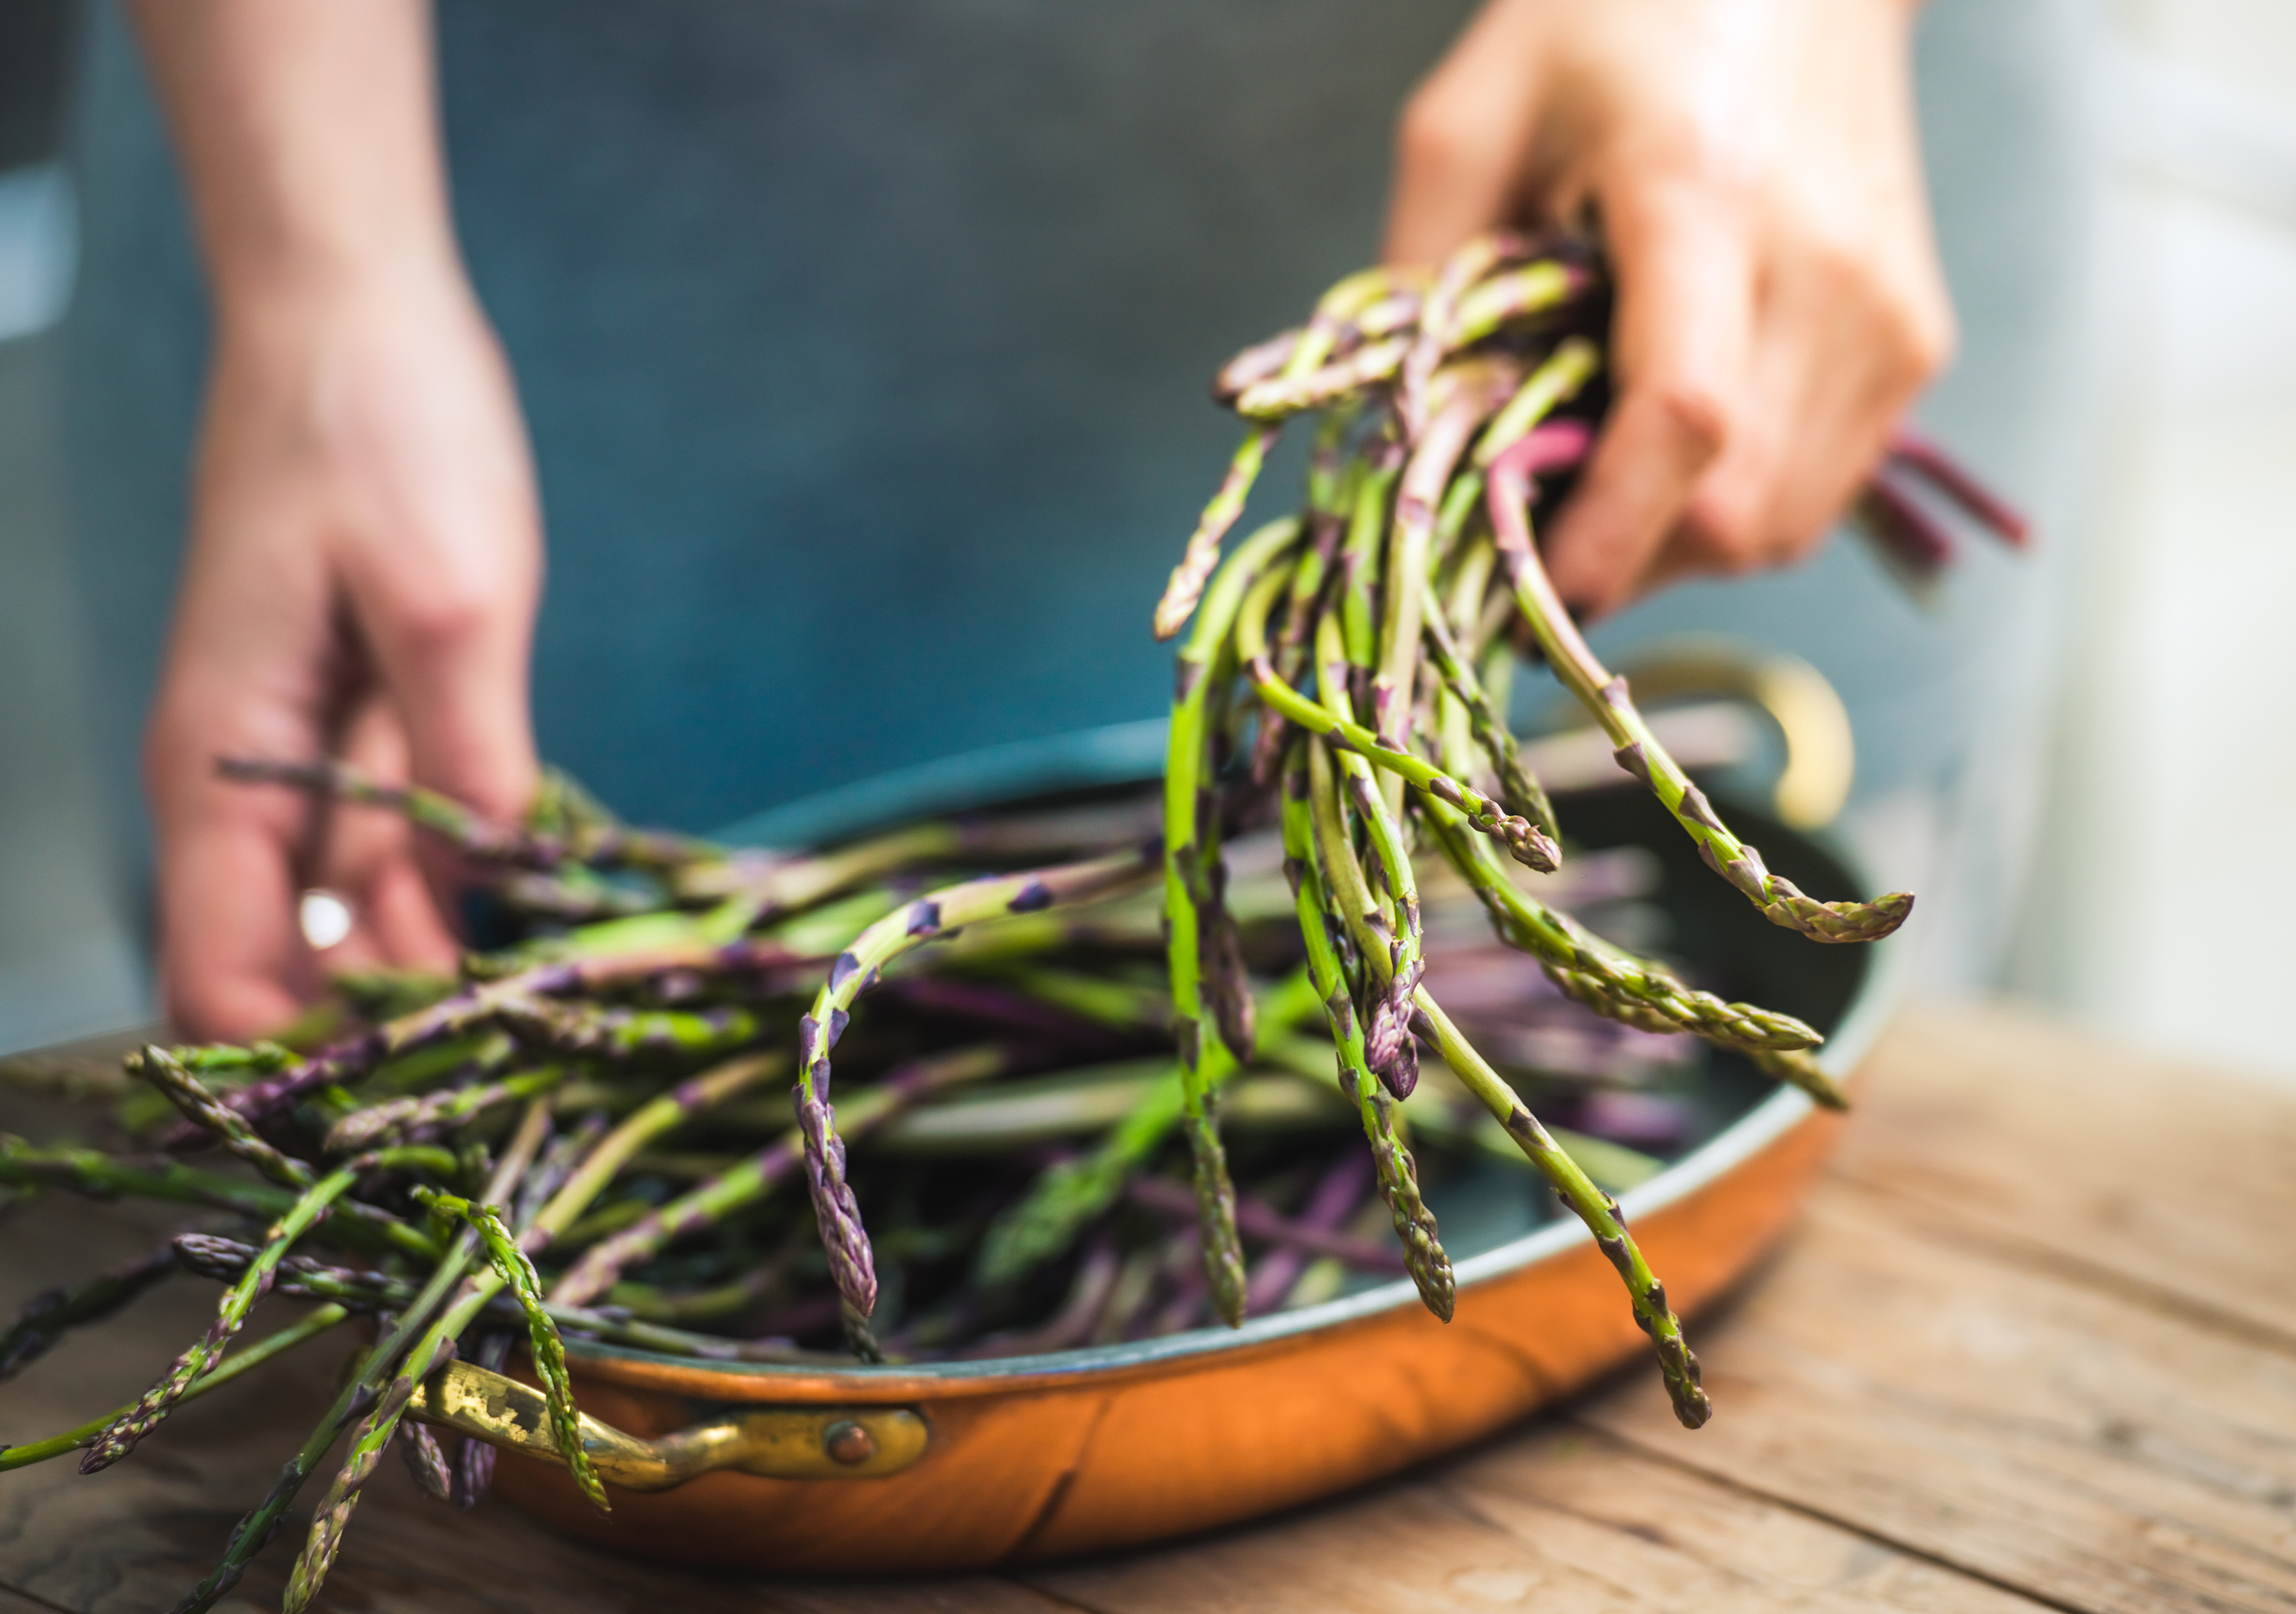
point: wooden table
(2033, 1345)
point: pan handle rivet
(848, 1442)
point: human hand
(365, 563)
(1754, 168)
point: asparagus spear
(927, 919)
(709, 1202)
(1598, 1210)
(1399, 1178)
(1613, 983)
(47, 1315)
(1525, 841)
(121, 1436)
(1189, 891)
(309, 1327)
(201, 1107)
(1639, 753)
(516, 1270)
(1197, 562)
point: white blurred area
(2159, 905)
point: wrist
(307, 296)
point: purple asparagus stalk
(1335, 1198)
(928, 918)
(203, 1109)
(529, 998)
(427, 1463)
(1925, 459)
(710, 1202)
(48, 1314)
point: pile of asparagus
(1105, 1051)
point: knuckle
(1432, 131)
(1723, 534)
(1839, 267)
(1695, 412)
(1927, 335)
(446, 611)
(1700, 157)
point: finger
(1836, 360)
(1682, 264)
(1463, 138)
(233, 961)
(444, 602)
(370, 861)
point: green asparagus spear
(1399, 1178)
(1639, 752)
(1188, 891)
(1598, 1210)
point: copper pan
(963, 1465)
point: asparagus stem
(1190, 888)
(1639, 753)
(1387, 1032)
(710, 1202)
(516, 1271)
(649, 949)
(1204, 551)
(1608, 980)
(1418, 495)
(1525, 841)
(97, 1175)
(309, 1327)
(1300, 385)
(372, 1292)
(202, 1108)
(121, 1438)
(1275, 400)
(1359, 614)
(1558, 378)
(1398, 1179)
(363, 1128)
(1598, 1210)
(1519, 790)
(928, 918)
(1517, 294)
(48, 1315)
(1256, 363)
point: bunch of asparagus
(1089, 1074)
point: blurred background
(2072, 755)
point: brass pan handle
(1821, 759)
(780, 1442)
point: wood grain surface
(2033, 1345)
